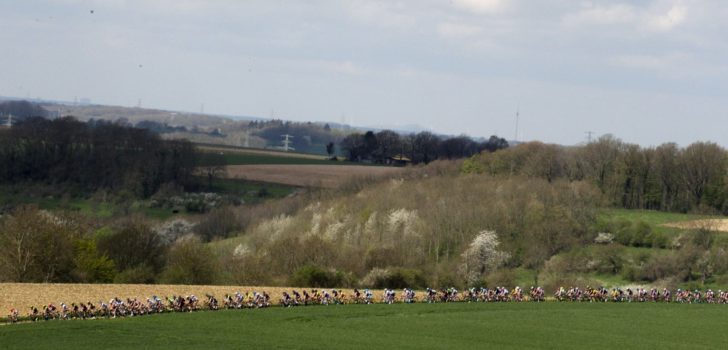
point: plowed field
(24, 295)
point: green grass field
(472, 326)
(235, 158)
(252, 191)
(654, 218)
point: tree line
(666, 177)
(101, 155)
(21, 110)
(423, 147)
(65, 247)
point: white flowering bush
(403, 220)
(171, 230)
(482, 256)
(604, 238)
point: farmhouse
(399, 160)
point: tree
(214, 167)
(353, 145)
(90, 265)
(599, 159)
(330, 149)
(370, 144)
(389, 144)
(665, 169)
(482, 256)
(37, 247)
(458, 147)
(425, 145)
(702, 168)
(20, 238)
(495, 143)
(134, 244)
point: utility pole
(518, 115)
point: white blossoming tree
(482, 256)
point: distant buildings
(6, 121)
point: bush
(608, 259)
(624, 232)
(659, 267)
(396, 278)
(317, 277)
(141, 274)
(502, 277)
(219, 222)
(92, 267)
(604, 238)
(642, 232)
(189, 261)
(135, 243)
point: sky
(646, 71)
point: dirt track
(711, 224)
(329, 176)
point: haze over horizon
(648, 72)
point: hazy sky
(646, 71)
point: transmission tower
(287, 142)
(589, 136)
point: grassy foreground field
(459, 325)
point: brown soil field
(24, 295)
(306, 175)
(712, 224)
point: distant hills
(244, 131)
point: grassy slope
(244, 159)
(655, 218)
(248, 191)
(254, 156)
(502, 326)
(243, 156)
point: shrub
(140, 274)
(90, 265)
(624, 232)
(503, 277)
(604, 238)
(189, 261)
(608, 259)
(220, 222)
(314, 276)
(396, 278)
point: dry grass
(710, 224)
(24, 295)
(306, 175)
